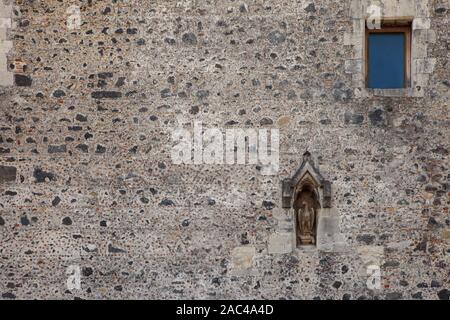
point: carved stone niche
(307, 220)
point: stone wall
(89, 98)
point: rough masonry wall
(87, 180)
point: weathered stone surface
(87, 179)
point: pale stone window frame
(415, 11)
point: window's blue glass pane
(386, 60)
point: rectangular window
(388, 56)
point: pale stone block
(391, 92)
(242, 258)
(356, 9)
(422, 8)
(352, 39)
(359, 26)
(358, 80)
(280, 243)
(6, 78)
(421, 23)
(5, 46)
(327, 229)
(421, 79)
(424, 65)
(424, 36)
(353, 66)
(419, 50)
(5, 10)
(361, 92)
(2, 34)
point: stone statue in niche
(306, 207)
(306, 194)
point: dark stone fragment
(132, 31)
(57, 149)
(106, 94)
(346, 296)
(169, 41)
(81, 118)
(2, 221)
(310, 8)
(435, 284)
(440, 150)
(67, 221)
(194, 110)
(10, 193)
(211, 201)
(145, 200)
(266, 121)
(59, 93)
(88, 135)
(153, 118)
(404, 283)
(444, 294)
(341, 92)
(344, 269)
(422, 285)
(41, 176)
(394, 296)
(422, 246)
(24, 221)
(366, 238)
(244, 239)
(337, 284)
(417, 295)
(118, 288)
(351, 118)
(376, 117)
(391, 264)
(189, 38)
(201, 94)
(166, 202)
(276, 37)
(22, 80)
(231, 123)
(269, 205)
(103, 223)
(100, 149)
(105, 75)
(75, 128)
(120, 82)
(165, 93)
(440, 10)
(8, 174)
(140, 42)
(4, 150)
(8, 295)
(113, 249)
(185, 223)
(56, 201)
(30, 140)
(84, 148)
(87, 271)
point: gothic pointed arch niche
(306, 194)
